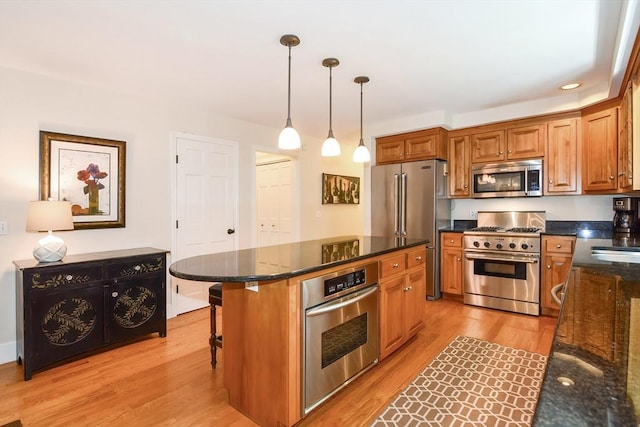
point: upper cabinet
(625, 141)
(562, 174)
(407, 147)
(600, 156)
(512, 143)
(459, 166)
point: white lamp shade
(49, 215)
(330, 147)
(361, 154)
(289, 139)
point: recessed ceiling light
(570, 86)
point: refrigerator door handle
(403, 205)
(396, 203)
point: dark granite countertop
(294, 259)
(596, 346)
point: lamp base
(50, 248)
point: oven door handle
(529, 260)
(332, 307)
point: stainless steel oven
(501, 266)
(340, 324)
(503, 281)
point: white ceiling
(451, 57)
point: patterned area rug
(472, 383)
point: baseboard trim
(8, 352)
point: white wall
(30, 103)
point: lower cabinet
(87, 302)
(451, 263)
(557, 254)
(402, 298)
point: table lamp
(49, 215)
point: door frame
(295, 195)
(174, 136)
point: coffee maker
(625, 220)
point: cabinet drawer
(43, 279)
(136, 267)
(558, 245)
(451, 240)
(416, 257)
(392, 265)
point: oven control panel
(503, 243)
(345, 281)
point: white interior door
(205, 211)
(275, 208)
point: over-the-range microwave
(510, 179)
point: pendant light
(361, 153)
(289, 138)
(331, 146)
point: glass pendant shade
(361, 153)
(330, 147)
(289, 138)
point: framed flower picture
(89, 173)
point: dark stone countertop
(595, 345)
(294, 259)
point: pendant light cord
(361, 140)
(289, 90)
(330, 102)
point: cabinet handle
(458, 259)
(69, 277)
(137, 268)
(550, 181)
(395, 265)
(558, 246)
(451, 241)
(408, 288)
(548, 266)
(500, 152)
(509, 151)
(114, 294)
(611, 177)
(418, 258)
(466, 186)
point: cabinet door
(421, 147)
(65, 323)
(415, 295)
(459, 166)
(451, 276)
(600, 156)
(389, 151)
(625, 142)
(556, 269)
(526, 142)
(487, 147)
(136, 306)
(391, 314)
(561, 166)
(594, 312)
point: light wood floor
(158, 382)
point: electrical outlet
(473, 214)
(4, 228)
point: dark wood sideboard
(87, 302)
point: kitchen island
(593, 372)
(262, 319)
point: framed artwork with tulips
(89, 173)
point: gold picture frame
(88, 172)
(340, 189)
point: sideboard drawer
(136, 267)
(66, 276)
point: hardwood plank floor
(159, 382)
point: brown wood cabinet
(515, 143)
(402, 298)
(625, 142)
(459, 166)
(488, 147)
(412, 146)
(451, 263)
(561, 162)
(600, 156)
(557, 254)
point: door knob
(231, 230)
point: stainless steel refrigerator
(410, 200)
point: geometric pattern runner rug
(471, 383)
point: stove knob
(512, 245)
(476, 244)
(487, 244)
(525, 246)
(499, 246)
